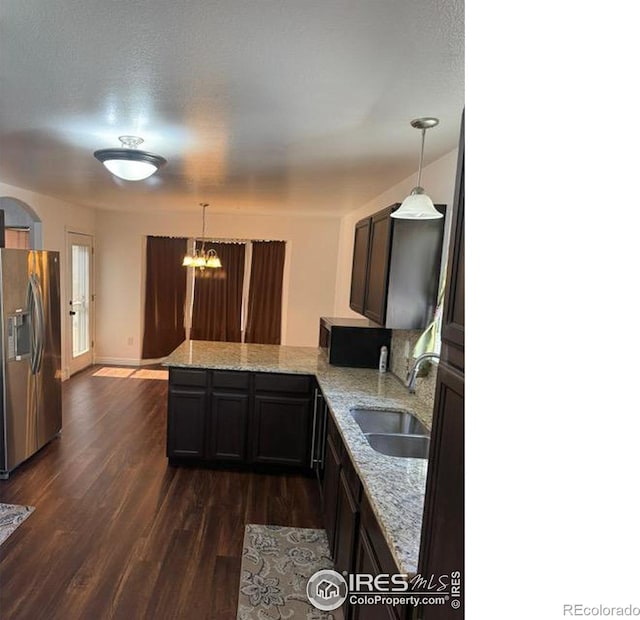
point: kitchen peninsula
(245, 378)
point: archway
(18, 214)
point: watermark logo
(327, 590)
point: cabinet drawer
(188, 376)
(297, 384)
(230, 379)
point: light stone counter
(395, 486)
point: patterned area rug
(11, 516)
(276, 565)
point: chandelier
(200, 258)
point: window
(17, 237)
(240, 302)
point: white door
(80, 303)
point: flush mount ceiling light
(417, 205)
(201, 259)
(128, 162)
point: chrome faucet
(412, 375)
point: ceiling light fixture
(128, 162)
(417, 205)
(200, 258)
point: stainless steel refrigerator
(31, 400)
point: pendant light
(417, 205)
(201, 259)
(129, 163)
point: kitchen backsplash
(402, 343)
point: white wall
(438, 179)
(317, 270)
(310, 270)
(57, 217)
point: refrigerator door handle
(41, 325)
(37, 323)
(33, 329)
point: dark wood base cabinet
(188, 396)
(366, 562)
(356, 542)
(239, 417)
(281, 430)
(228, 420)
(185, 438)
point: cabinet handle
(313, 432)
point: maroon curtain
(217, 296)
(264, 316)
(165, 292)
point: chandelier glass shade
(129, 163)
(201, 258)
(417, 205)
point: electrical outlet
(130, 341)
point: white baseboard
(126, 361)
(118, 361)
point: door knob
(71, 313)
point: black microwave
(353, 342)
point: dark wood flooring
(117, 532)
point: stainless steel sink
(413, 446)
(385, 421)
(394, 433)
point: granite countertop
(395, 486)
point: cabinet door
(318, 443)
(330, 484)
(346, 526)
(281, 430)
(375, 299)
(228, 427)
(365, 562)
(185, 423)
(442, 545)
(359, 266)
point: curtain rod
(218, 240)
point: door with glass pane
(80, 302)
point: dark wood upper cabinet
(359, 266)
(453, 316)
(396, 269)
(375, 297)
(442, 542)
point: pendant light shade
(200, 259)
(417, 205)
(129, 163)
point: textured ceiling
(270, 105)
